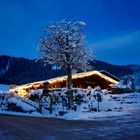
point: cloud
(122, 49)
(120, 41)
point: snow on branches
(64, 45)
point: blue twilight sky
(113, 26)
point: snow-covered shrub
(126, 85)
(90, 102)
(83, 99)
(12, 102)
(34, 95)
(79, 98)
(16, 104)
(57, 96)
(130, 83)
(4, 96)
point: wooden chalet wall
(83, 82)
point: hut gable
(109, 75)
(80, 80)
(83, 80)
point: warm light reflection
(82, 75)
(23, 90)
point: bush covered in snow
(85, 103)
(126, 85)
(130, 82)
(84, 100)
(11, 102)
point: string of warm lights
(22, 90)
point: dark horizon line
(93, 60)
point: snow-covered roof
(62, 78)
(82, 75)
(110, 75)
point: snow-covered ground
(111, 105)
(128, 101)
(122, 104)
(4, 87)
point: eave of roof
(74, 76)
(82, 75)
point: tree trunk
(69, 79)
(40, 105)
(69, 87)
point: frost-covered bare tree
(64, 45)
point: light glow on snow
(22, 90)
